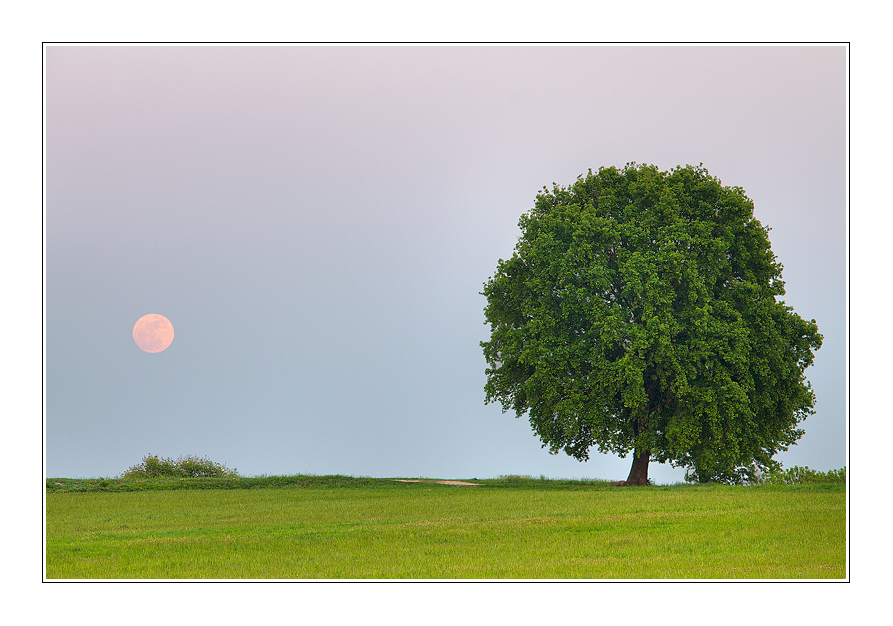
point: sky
(317, 223)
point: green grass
(332, 527)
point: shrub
(184, 467)
(803, 475)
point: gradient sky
(317, 224)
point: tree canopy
(641, 313)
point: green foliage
(640, 312)
(184, 467)
(776, 475)
(803, 476)
(744, 475)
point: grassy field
(338, 527)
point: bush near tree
(803, 476)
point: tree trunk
(638, 474)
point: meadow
(335, 527)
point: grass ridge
(314, 481)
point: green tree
(640, 313)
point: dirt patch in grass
(442, 482)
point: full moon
(153, 332)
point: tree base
(638, 474)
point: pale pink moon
(153, 332)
